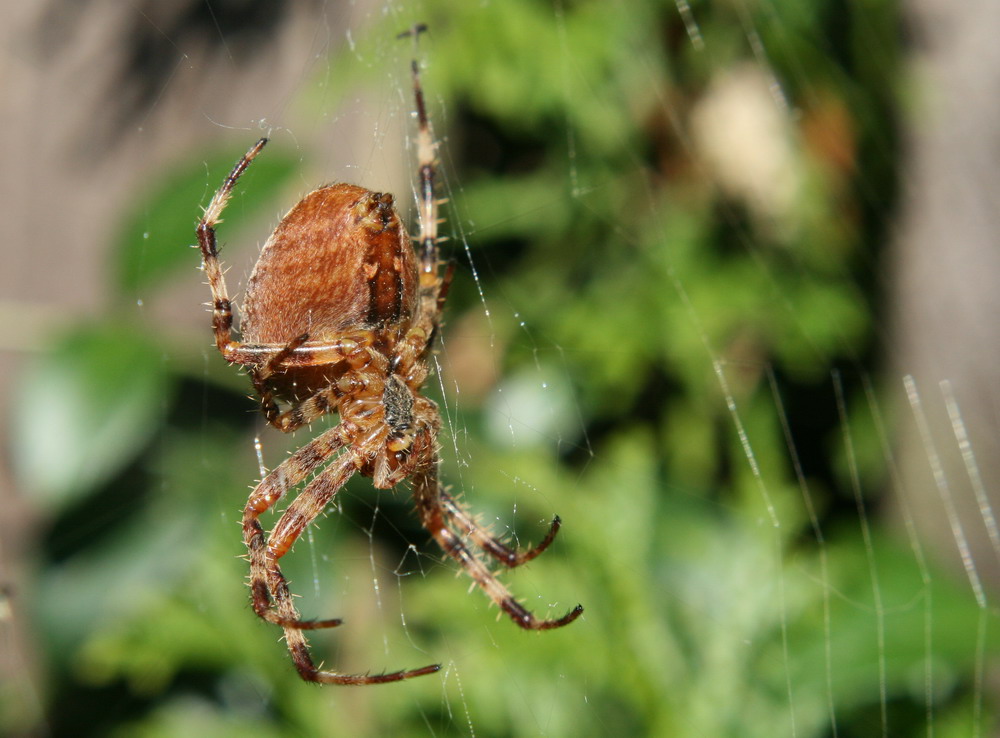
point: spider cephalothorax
(340, 316)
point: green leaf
(152, 244)
(85, 409)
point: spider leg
(354, 350)
(449, 273)
(506, 555)
(275, 362)
(260, 376)
(222, 309)
(426, 164)
(272, 488)
(428, 498)
(310, 409)
(268, 583)
(433, 288)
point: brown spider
(340, 315)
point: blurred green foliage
(632, 296)
(154, 230)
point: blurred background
(724, 301)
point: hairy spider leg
(427, 494)
(222, 307)
(260, 376)
(426, 164)
(509, 557)
(433, 288)
(268, 583)
(269, 491)
(434, 504)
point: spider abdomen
(339, 260)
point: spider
(340, 316)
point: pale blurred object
(745, 139)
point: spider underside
(340, 315)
